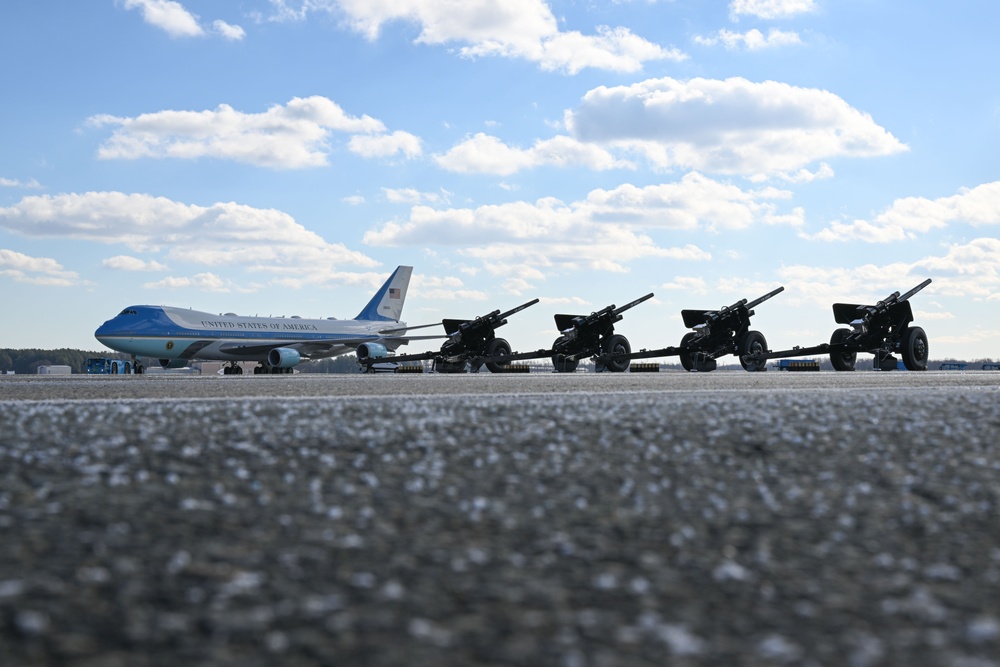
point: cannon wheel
(753, 342)
(687, 359)
(915, 349)
(497, 347)
(841, 360)
(561, 363)
(613, 346)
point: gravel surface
(683, 519)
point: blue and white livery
(176, 336)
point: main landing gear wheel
(616, 346)
(753, 342)
(915, 349)
(841, 360)
(497, 347)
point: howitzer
(593, 335)
(469, 344)
(715, 333)
(469, 339)
(881, 329)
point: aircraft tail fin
(387, 304)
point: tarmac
(578, 520)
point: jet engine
(173, 363)
(283, 357)
(372, 351)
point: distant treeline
(26, 362)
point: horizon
(284, 156)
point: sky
(282, 157)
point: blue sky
(281, 157)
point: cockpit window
(128, 312)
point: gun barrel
(758, 301)
(915, 290)
(512, 311)
(619, 311)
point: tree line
(26, 362)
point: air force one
(176, 336)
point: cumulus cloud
(444, 288)
(770, 9)
(233, 33)
(175, 20)
(487, 154)
(969, 270)
(35, 270)
(386, 145)
(524, 29)
(751, 40)
(15, 183)
(205, 282)
(223, 234)
(414, 196)
(911, 216)
(606, 231)
(292, 136)
(731, 126)
(129, 263)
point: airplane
(176, 336)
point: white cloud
(129, 263)
(169, 16)
(14, 183)
(910, 216)
(35, 270)
(174, 19)
(486, 154)
(770, 9)
(288, 137)
(445, 288)
(728, 126)
(969, 270)
(733, 126)
(413, 196)
(205, 282)
(606, 231)
(752, 40)
(233, 33)
(386, 145)
(687, 284)
(524, 29)
(223, 234)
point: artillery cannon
(468, 344)
(469, 340)
(716, 333)
(593, 335)
(881, 329)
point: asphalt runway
(577, 520)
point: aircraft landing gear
(233, 368)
